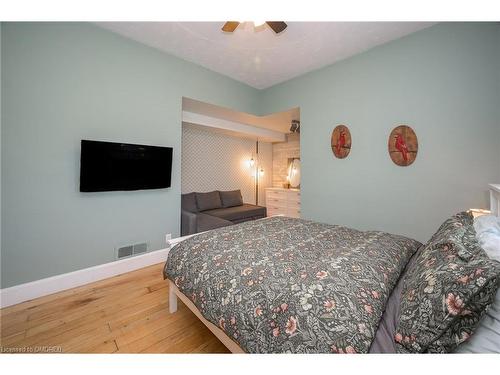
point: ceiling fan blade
(277, 26)
(230, 26)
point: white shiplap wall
(214, 161)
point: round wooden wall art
(341, 141)
(403, 145)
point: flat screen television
(108, 166)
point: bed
(285, 285)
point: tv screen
(108, 166)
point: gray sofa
(204, 211)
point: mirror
(294, 173)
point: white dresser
(281, 201)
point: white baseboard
(39, 288)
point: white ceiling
(262, 58)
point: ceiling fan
(276, 26)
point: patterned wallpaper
(215, 161)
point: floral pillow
(447, 291)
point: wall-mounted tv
(108, 166)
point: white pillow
(488, 234)
(486, 338)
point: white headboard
(495, 199)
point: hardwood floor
(123, 314)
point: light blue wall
(444, 82)
(65, 82)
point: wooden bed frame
(174, 293)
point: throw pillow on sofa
(208, 201)
(231, 198)
(188, 202)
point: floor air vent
(127, 251)
(140, 248)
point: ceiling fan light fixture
(276, 26)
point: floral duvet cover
(281, 284)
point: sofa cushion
(208, 222)
(238, 213)
(231, 198)
(208, 201)
(188, 202)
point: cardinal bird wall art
(341, 141)
(403, 145)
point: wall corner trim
(43, 287)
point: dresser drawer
(283, 202)
(273, 211)
(273, 201)
(294, 196)
(276, 194)
(293, 212)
